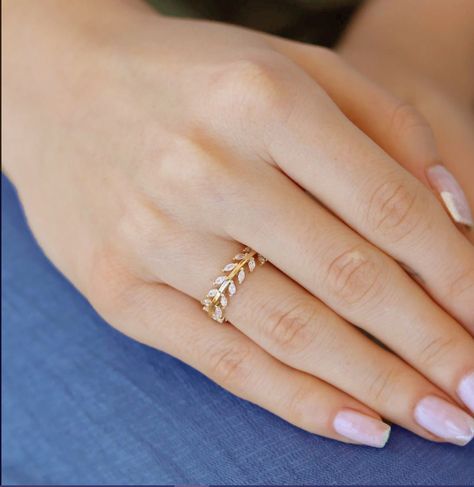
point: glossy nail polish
(451, 193)
(466, 390)
(361, 428)
(444, 420)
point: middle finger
(303, 333)
(352, 277)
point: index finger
(320, 149)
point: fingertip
(361, 428)
(451, 193)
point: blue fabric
(83, 404)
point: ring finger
(302, 332)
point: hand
(144, 149)
(399, 46)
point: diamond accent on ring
(229, 267)
(232, 288)
(219, 280)
(217, 315)
(217, 299)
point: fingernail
(451, 193)
(360, 428)
(466, 390)
(445, 420)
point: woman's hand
(144, 149)
(423, 52)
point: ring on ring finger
(224, 286)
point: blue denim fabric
(83, 404)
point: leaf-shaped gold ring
(225, 286)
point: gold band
(224, 286)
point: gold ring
(225, 287)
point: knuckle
(355, 276)
(383, 385)
(184, 160)
(397, 209)
(139, 229)
(291, 327)
(135, 228)
(462, 286)
(188, 166)
(434, 350)
(250, 86)
(230, 365)
(405, 118)
(297, 406)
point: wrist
(56, 55)
(43, 38)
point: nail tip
(385, 437)
(361, 429)
(465, 391)
(467, 223)
(451, 193)
(462, 441)
(444, 420)
(457, 208)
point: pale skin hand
(145, 148)
(436, 78)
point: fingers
(303, 333)
(322, 254)
(453, 128)
(166, 319)
(326, 154)
(392, 124)
(353, 278)
(395, 125)
(272, 111)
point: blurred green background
(314, 21)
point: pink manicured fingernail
(360, 428)
(445, 420)
(451, 193)
(466, 390)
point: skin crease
(138, 133)
(437, 78)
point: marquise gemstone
(217, 315)
(219, 280)
(229, 267)
(232, 289)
